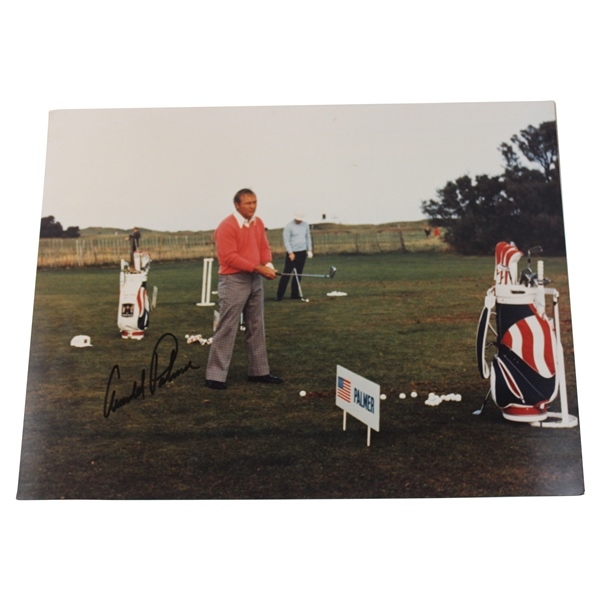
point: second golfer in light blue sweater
(298, 244)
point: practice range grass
(408, 323)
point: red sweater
(240, 249)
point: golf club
(528, 277)
(329, 275)
(480, 410)
(536, 249)
(295, 273)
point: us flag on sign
(343, 389)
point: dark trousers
(298, 264)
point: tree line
(522, 205)
(53, 229)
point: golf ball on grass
(413, 394)
(433, 399)
(402, 396)
(302, 394)
(383, 397)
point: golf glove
(309, 254)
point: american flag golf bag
(528, 369)
(134, 306)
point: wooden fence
(108, 250)
(98, 251)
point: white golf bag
(527, 372)
(134, 306)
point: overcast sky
(179, 168)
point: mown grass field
(407, 323)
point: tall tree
(50, 228)
(522, 205)
(71, 232)
(53, 229)
(539, 145)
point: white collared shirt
(241, 221)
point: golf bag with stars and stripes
(527, 371)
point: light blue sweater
(296, 237)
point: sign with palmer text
(358, 396)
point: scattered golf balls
(402, 396)
(435, 400)
(383, 397)
(413, 394)
(302, 393)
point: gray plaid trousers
(239, 293)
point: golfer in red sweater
(244, 256)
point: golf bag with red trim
(134, 306)
(528, 366)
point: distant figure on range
(134, 244)
(298, 244)
(244, 257)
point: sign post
(359, 397)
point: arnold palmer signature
(156, 378)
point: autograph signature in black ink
(156, 378)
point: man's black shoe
(265, 379)
(215, 385)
